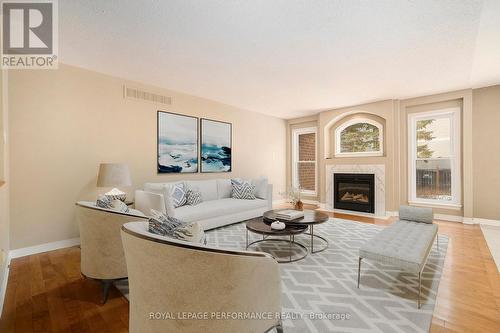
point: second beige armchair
(213, 290)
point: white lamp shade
(113, 174)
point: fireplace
(354, 191)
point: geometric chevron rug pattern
(319, 293)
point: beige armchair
(170, 281)
(102, 254)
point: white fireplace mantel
(376, 169)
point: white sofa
(217, 209)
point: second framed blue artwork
(216, 146)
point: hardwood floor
(46, 292)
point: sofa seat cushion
(214, 208)
(403, 244)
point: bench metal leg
(359, 269)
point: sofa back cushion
(224, 188)
(208, 188)
(159, 188)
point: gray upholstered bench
(405, 244)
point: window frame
(341, 128)
(454, 115)
(295, 154)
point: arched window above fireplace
(359, 137)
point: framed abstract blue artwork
(216, 142)
(177, 143)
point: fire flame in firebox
(355, 197)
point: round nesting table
(311, 218)
(263, 227)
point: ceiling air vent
(146, 96)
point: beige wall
(383, 111)
(486, 152)
(479, 126)
(65, 122)
(4, 176)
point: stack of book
(289, 214)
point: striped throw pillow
(244, 191)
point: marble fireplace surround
(376, 169)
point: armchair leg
(106, 284)
(359, 269)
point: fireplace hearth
(354, 191)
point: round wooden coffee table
(261, 227)
(311, 218)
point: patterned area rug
(320, 294)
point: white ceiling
(288, 58)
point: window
(304, 167)
(359, 137)
(434, 158)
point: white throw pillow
(260, 187)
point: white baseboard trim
(391, 213)
(3, 287)
(26, 251)
(311, 202)
(494, 223)
(449, 218)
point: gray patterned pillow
(104, 202)
(244, 191)
(191, 232)
(178, 193)
(193, 197)
(120, 206)
(164, 225)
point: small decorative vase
(299, 205)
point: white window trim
(456, 174)
(338, 132)
(295, 155)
